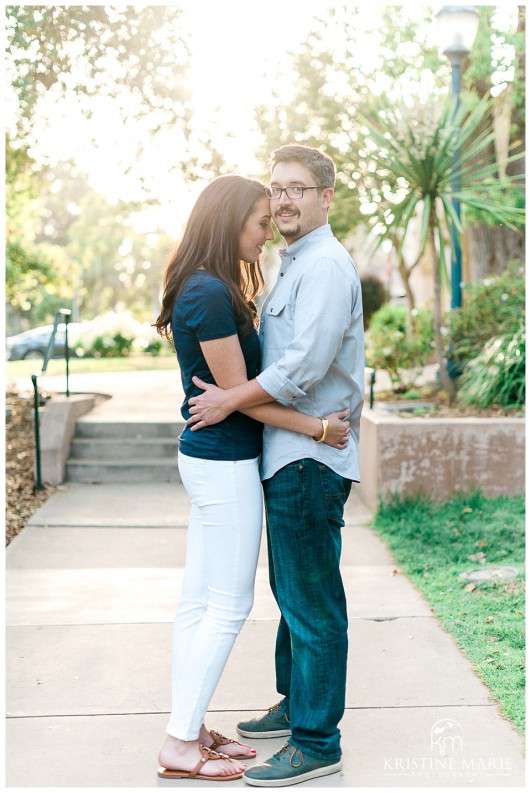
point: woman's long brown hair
(212, 240)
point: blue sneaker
(273, 724)
(289, 766)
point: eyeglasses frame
(291, 187)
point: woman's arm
(225, 360)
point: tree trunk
(490, 248)
(405, 274)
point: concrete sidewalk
(92, 584)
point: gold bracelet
(325, 431)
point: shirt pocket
(278, 329)
(277, 307)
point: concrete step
(128, 429)
(131, 451)
(140, 470)
(123, 448)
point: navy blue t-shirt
(203, 311)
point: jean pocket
(334, 485)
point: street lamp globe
(456, 30)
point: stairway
(108, 451)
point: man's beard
(292, 230)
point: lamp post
(457, 28)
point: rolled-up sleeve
(322, 313)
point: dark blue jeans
(304, 512)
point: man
(313, 360)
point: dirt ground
(432, 402)
(21, 497)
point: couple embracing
(273, 413)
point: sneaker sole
(265, 734)
(329, 769)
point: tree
(331, 80)
(34, 268)
(331, 83)
(411, 164)
(120, 266)
(99, 50)
(497, 65)
(123, 65)
(76, 57)
(69, 247)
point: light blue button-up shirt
(311, 335)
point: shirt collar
(300, 245)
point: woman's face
(256, 231)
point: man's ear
(326, 197)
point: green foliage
(27, 271)
(491, 60)
(113, 51)
(492, 307)
(333, 81)
(412, 153)
(374, 294)
(116, 335)
(433, 542)
(397, 349)
(69, 246)
(116, 346)
(496, 377)
(36, 271)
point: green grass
(432, 543)
(131, 363)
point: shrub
(491, 308)
(497, 375)
(115, 335)
(154, 347)
(115, 346)
(374, 295)
(392, 348)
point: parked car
(34, 343)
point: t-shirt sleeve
(209, 311)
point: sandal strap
(221, 740)
(208, 754)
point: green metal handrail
(62, 315)
(372, 380)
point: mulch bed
(21, 497)
(441, 407)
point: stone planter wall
(57, 429)
(440, 457)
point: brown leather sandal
(220, 740)
(208, 754)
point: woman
(208, 310)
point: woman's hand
(338, 434)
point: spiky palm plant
(413, 156)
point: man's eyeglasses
(293, 193)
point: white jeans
(221, 556)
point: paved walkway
(92, 584)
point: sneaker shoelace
(285, 749)
(281, 710)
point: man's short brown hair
(320, 164)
